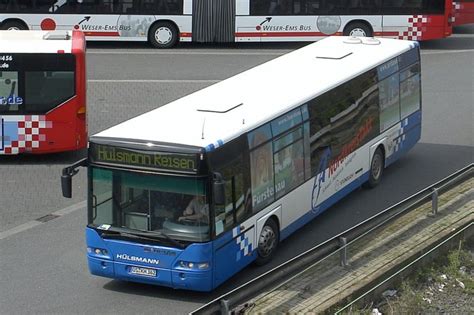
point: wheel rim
(376, 168)
(267, 241)
(14, 28)
(163, 35)
(358, 32)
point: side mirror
(66, 185)
(66, 177)
(218, 189)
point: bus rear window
(9, 99)
(45, 90)
(36, 83)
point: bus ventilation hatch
(219, 109)
(57, 35)
(332, 54)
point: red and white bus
(165, 22)
(42, 91)
(463, 11)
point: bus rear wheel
(163, 35)
(13, 25)
(376, 169)
(267, 242)
(357, 29)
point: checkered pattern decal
(398, 141)
(23, 133)
(417, 25)
(244, 241)
(456, 8)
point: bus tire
(163, 35)
(376, 168)
(357, 29)
(267, 242)
(13, 25)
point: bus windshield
(175, 207)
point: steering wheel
(186, 221)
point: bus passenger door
(213, 21)
(235, 231)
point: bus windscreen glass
(172, 205)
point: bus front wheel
(163, 35)
(376, 169)
(13, 25)
(357, 29)
(267, 242)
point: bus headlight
(192, 265)
(186, 264)
(98, 251)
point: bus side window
(288, 151)
(131, 6)
(320, 111)
(31, 6)
(88, 6)
(261, 166)
(410, 96)
(389, 95)
(356, 119)
(289, 163)
(5, 5)
(70, 6)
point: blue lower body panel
(191, 280)
(149, 263)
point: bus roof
(223, 111)
(35, 41)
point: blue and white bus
(264, 151)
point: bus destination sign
(156, 160)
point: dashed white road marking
(31, 224)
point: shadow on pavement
(159, 292)
(449, 43)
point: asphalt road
(43, 264)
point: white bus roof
(35, 41)
(223, 111)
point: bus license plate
(143, 271)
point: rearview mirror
(66, 185)
(218, 189)
(66, 177)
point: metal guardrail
(225, 303)
(410, 265)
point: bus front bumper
(177, 279)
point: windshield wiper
(175, 242)
(125, 234)
(141, 236)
